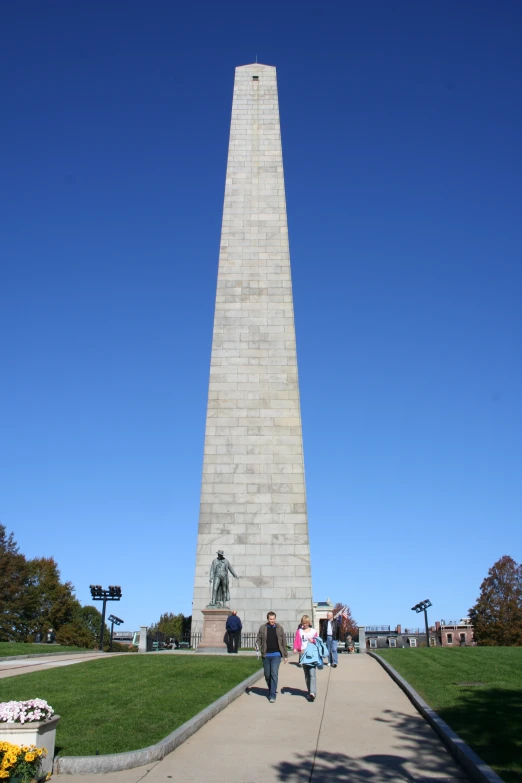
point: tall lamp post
(99, 594)
(113, 621)
(422, 606)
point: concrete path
(28, 665)
(360, 729)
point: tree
(497, 615)
(172, 625)
(33, 598)
(348, 624)
(84, 629)
(13, 586)
(76, 634)
(49, 602)
(91, 618)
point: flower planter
(41, 734)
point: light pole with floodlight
(113, 621)
(422, 607)
(99, 594)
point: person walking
(234, 627)
(305, 637)
(330, 634)
(298, 629)
(272, 644)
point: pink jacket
(298, 640)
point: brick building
(455, 633)
(381, 637)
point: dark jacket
(336, 630)
(233, 623)
(281, 640)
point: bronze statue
(219, 579)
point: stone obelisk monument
(253, 500)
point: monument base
(214, 630)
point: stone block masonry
(253, 499)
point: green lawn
(488, 717)
(21, 648)
(127, 702)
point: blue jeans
(271, 667)
(310, 678)
(331, 646)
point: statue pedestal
(214, 629)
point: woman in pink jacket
(305, 635)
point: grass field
(488, 717)
(21, 648)
(127, 702)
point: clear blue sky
(402, 130)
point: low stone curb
(46, 655)
(477, 769)
(114, 762)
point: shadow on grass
(419, 756)
(490, 721)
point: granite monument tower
(253, 500)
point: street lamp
(113, 621)
(422, 607)
(99, 594)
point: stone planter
(41, 734)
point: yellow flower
(4, 773)
(29, 756)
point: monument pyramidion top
(253, 66)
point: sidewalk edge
(477, 769)
(115, 762)
(46, 655)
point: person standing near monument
(271, 641)
(234, 627)
(219, 579)
(330, 634)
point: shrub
(75, 634)
(118, 647)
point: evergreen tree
(497, 615)
(13, 586)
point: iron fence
(248, 640)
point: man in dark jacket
(234, 627)
(330, 633)
(271, 642)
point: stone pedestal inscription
(214, 629)
(253, 502)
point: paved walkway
(28, 665)
(360, 729)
